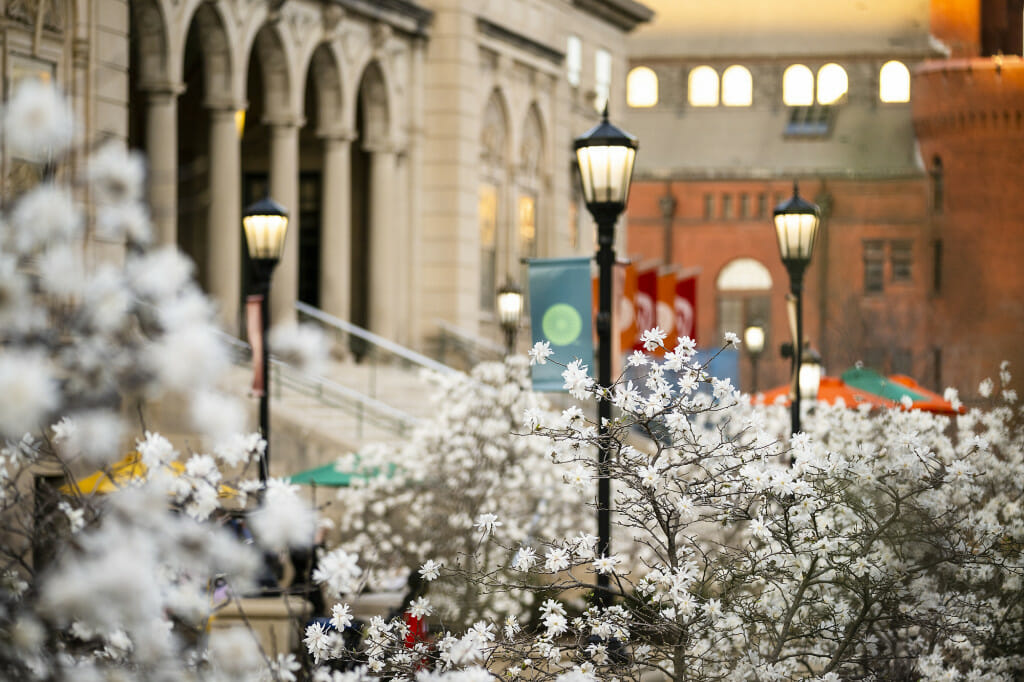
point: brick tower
(967, 112)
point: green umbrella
(896, 386)
(328, 475)
(871, 381)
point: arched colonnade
(233, 99)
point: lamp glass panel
(265, 235)
(810, 380)
(606, 172)
(753, 338)
(796, 233)
(510, 308)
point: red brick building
(913, 156)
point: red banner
(254, 325)
(686, 307)
(645, 304)
(667, 307)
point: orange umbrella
(831, 390)
(931, 402)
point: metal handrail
(409, 356)
(329, 393)
(476, 348)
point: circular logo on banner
(561, 324)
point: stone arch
(325, 74)
(375, 106)
(150, 44)
(533, 145)
(494, 132)
(215, 46)
(279, 95)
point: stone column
(284, 189)
(162, 155)
(384, 246)
(224, 221)
(336, 225)
(402, 250)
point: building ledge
(623, 14)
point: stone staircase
(376, 395)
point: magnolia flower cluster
(112, 538)
(878, 544)
(467, 481)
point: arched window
(744, 296)
(894, 82)
(744, 274)
(798, 86)
(737, 87)
(702, 90)
(493, 162)
(832, 84)
(642, 87)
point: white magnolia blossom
(38, 124)
(303, 345)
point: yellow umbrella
(130, 468)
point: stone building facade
(422, 147)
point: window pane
(737, 87)
(602, 78)
(702, 89)
(573, 60)
(730, 315)
(642, 87)
(894, 82)
(874, 265)
(488, 217)
(901, 257)
(527, 226)
(798, 86)
(832, 84)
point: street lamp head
(810, 374)
(796, 227)
(753, 339)
(266, 224)
(510, 305)
(605, 155)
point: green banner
(561, 314)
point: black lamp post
(265, 224)
(753, 340)
(605, 155)
(796, 226)
(510, 313)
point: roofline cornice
(623, 14)
(402, 15)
